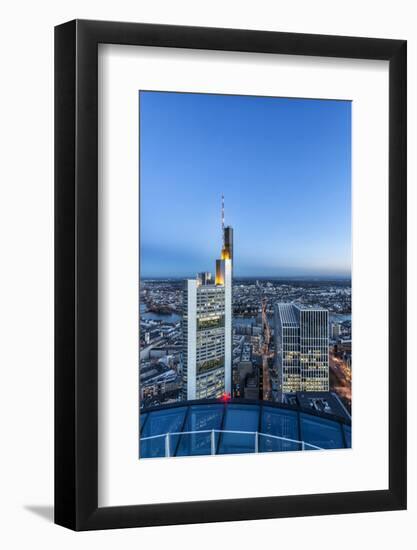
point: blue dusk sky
(283, 165)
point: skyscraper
(301, 348)
(207, 328)
(227, 236)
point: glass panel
(193, 444)
(239, 418)
(235, 443)
(282, 423)
(163, 421)
(160, 423)
(348, 435)
(200, 418)
(142, 419)
(152, 448)
(325, 434)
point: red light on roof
(225, 397)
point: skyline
(196, 147)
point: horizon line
(192, 276)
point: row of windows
(210, 301)
(210, 331)
(209, 346)
(210, 393)
(210, 350)
(216, 378)
(209, 354)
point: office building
(248, 380)
(301, 348)
(204, 278)
(207, 328)
(336, 330)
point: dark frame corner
(76, 364)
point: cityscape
(232, 363)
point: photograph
(209, 232)
(245, 329)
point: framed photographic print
(230, 275)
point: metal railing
(257, 435)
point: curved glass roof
(212, 427)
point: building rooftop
(307, 307)
(287, 315)
(327, 402)
(206, 427)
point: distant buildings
(207, 328)
(319, 402)
(343, 350)
(301, 348)
(163, 345)
(335, 330)
(247, 380)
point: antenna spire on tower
(223, 217)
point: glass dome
(239, 426)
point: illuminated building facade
(207, 328)
(301, 348)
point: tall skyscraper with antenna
(227, 238)
(207, 327)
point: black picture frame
(76, 272)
